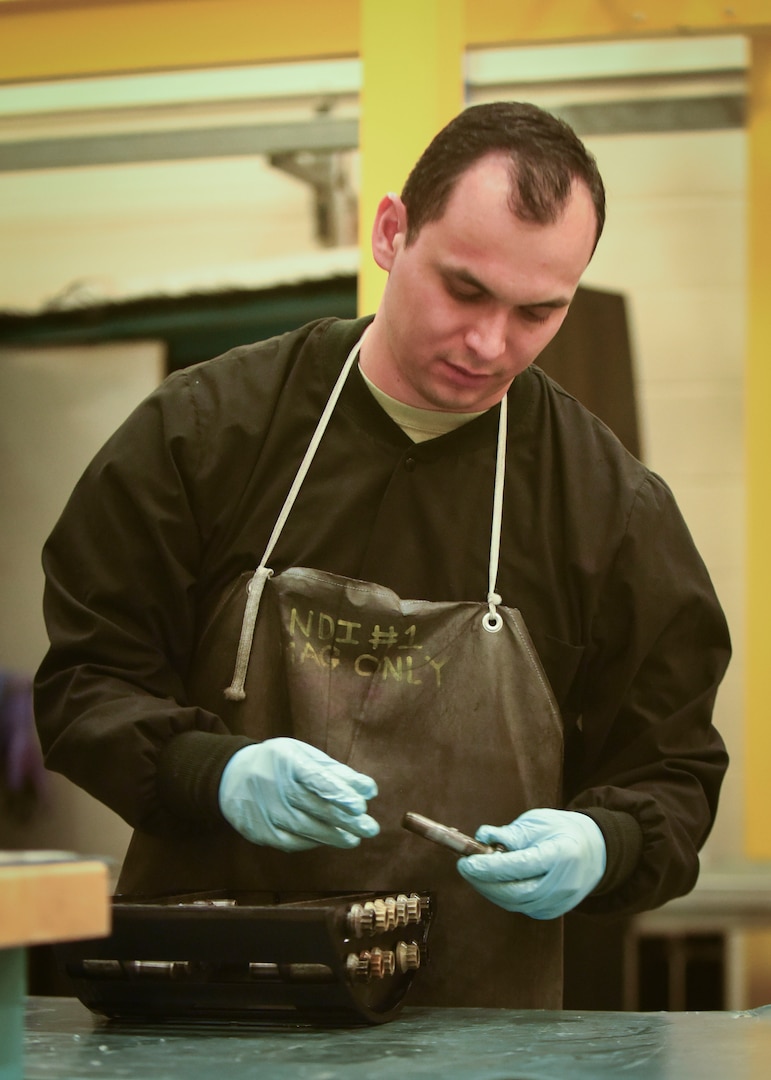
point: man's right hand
(289, 795)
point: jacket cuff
(623, 844)
(190, 767)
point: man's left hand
(554, 859)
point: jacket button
(409, 464)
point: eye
(464, 291)
(536, 315)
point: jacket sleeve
(644, 744)
(121, 566)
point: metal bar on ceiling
(242, 140)
(633, 116)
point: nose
(487, 337)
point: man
(388, 565)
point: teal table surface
(64, 1040)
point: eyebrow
(461, 274)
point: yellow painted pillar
(412, 72)
(758, 426)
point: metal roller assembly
(334, 959)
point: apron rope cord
(236, 692)
(492, 620)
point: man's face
(473, 300)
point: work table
(64, 1040)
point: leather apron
(445, 705)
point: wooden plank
(46, 41)
(46, 898)
(40, 40)
(529, 22)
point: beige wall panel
(57, 407)
(695, 429)
(714, 507)
(116, 228)
(688, 332)
(676, 238)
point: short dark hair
(545, 153)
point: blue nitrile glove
(554, 860)
(293, 797)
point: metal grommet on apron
(445, 704)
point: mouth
(464, 375)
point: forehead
(490, 183)
(489, 180)
(480, 232)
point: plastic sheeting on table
(63, 1040)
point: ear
(389, 232)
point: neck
(372, 353)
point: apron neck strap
(313, 446)
(236, 691)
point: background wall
(675, 246)
(57, 406)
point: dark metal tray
(322, 959)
